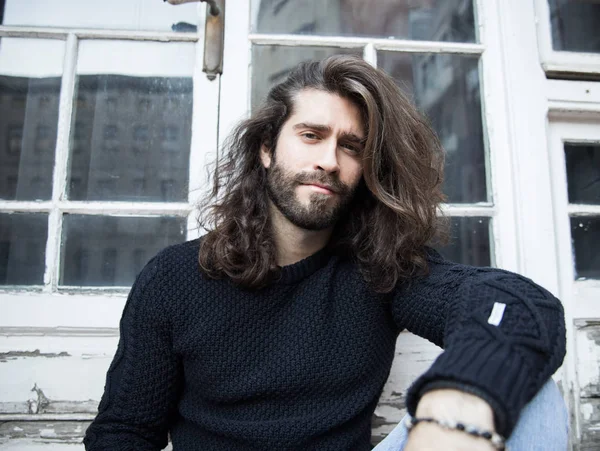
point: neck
(294, 243)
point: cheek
(353, 172)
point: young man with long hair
(276, 330)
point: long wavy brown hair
(395, 212)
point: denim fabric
(543, 426)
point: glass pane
(272, 63)
(110, 14)
(470, 241)
(29, 97)
(23, 239)
(446, 88)
(585, 234)
(583, 173)
(432, 20)
(575, 25)
(111, 250)
(131, 131)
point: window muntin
(426, 20)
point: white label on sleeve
(497, 314)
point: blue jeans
(543, 426)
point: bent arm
(142, 383)
(503, 335)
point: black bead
(460, 426)
(487, 435)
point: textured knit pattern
(300, 365)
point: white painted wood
(84, 33)
(580, 298)
(404, 45)
(205, 123)
(555, 62)
(234, 99)
(370, 54)
(59, 179)
(496, 126)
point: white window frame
(557, 62)
(100, 307)
(238, 66)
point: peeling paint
(36, 405)
(11, 355)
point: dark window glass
(585, 234)
(106, 245)
(109, 154)
(27, 135)
(23, 239)
(470, 241)
(431, 20)
(575, 25)
(272, 63)
(446, 88)
(583, 173)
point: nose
(326, 159)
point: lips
(321, 188)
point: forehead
(324, 108)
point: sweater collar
(304, 268)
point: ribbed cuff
(488, 369)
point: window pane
(470, 241)
(575, 25)
(583, 173)
(23, 239)
(585, 234)
(272, 63)
(131, 131)
(446, 88)
(111, 250)
(432, 20)
(111, 14)
(29, 96)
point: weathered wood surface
(588, 376)
(64, 376)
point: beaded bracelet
(497, 441)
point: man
(276, 330)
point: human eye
(310, 136)
(351, 148)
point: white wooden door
(574, 147)
(107, 119)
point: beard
(322, 211)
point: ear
(265, 156)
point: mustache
(320, 178)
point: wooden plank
(588, 377)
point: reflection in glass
(446, 88)
(585, 235)
(111, 250)
(28, 124)
(23, 239)
(131, 135)
(108, 14)
(271, 64)
(431, 20)
(583, 173)
(575, 25)
(469, 242)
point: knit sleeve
(143, 381)
(503, 335)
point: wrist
(455, 405)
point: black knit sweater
(300, 365)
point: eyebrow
(327, 129)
